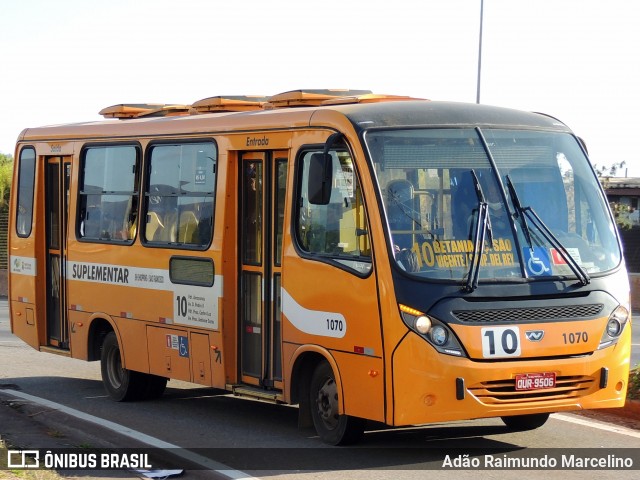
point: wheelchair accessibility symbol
(179, 343)
(183, 346)
(537, 261)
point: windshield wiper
(483, 227)
(519, 215)
(524, 213)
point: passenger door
(57, 174)
(263, 183)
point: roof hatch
(129, 110)
(310, 98)
(243, 103)
(236, 103)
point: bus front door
(263, 187)
(58, 171)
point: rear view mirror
(320, 178)
(321, 172)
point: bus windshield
(522, 203)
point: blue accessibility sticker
(183, 346)
(537, 261)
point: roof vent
(129, 110)
(237, 103)
(166, 111)
(309, 98)
(243, 103)
(369, 98)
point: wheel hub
(327, 403)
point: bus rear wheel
(332, 427)
(126, 385)
(521, 423)
(155, 386)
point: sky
(577, 60)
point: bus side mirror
(320, 178)
(584, 144)
(321, 172)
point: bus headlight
(439, 335)
(423, 324)
(615, 326)
(433, 331)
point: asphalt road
(263, 438)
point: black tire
(332, 428)
(155, 386)
(521, 423)
(121, 384)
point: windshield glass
(434, 183)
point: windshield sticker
(560, 265)
(559, 260)
(458, 253)
(344, 182)
(537, 261)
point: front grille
(515, 315)
(503, 392)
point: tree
(6, 172)
(621, 214)
(609, 171)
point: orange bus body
(263, 312)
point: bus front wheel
(332, 427)
(522, 423)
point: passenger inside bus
(401, 213)
(129, 228)
(465, 203)
(403, 221)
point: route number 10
(181, 306)
(500, 342)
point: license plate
(535, 381)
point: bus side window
(179, 195)
(339, 228)
(188, 228)
(205, 222)
(26, 178)
(108, 201)
(92, 221)
(154, 225)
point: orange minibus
(366, 257)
